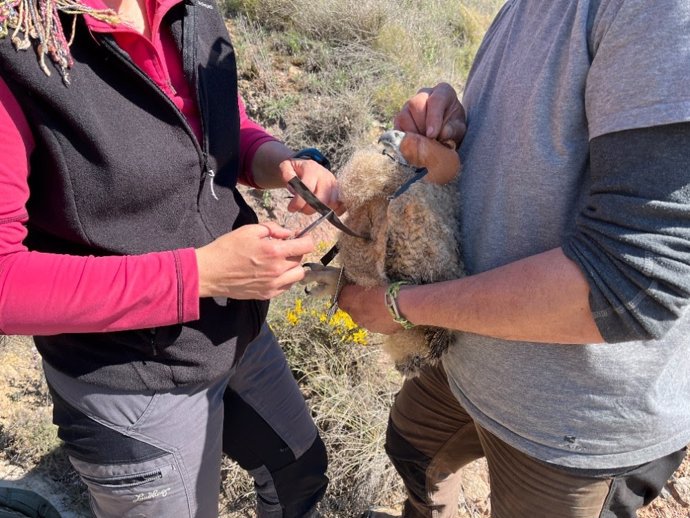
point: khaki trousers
(431, 437)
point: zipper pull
(154, 346)
(212, 174)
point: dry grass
(28, 437)
(349, 388)
(332, 73)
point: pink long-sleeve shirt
(42, 293)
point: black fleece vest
(117, 171)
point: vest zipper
(202, 105)
(211, 174)
(189, 65)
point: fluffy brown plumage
(414, 237)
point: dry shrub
(27, 433)
(254, 58)
(26, 427)
(349, 389)
(337, 126)
(338, 71)
(332, 21)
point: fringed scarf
(37, 21)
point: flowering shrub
(340, 323)
(349, 386)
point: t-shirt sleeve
(42, 293)
(640, 65)
(632, 239)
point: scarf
(37, 23)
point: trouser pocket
(152, 488)
(143, 455)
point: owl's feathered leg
(320, 280)
(407, 350)
(438, 341)
(412, 348)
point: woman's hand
(252, 262)
(317, 178)
(274, 166)
(434, 112)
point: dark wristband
(311, 153)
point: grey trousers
(158, 454)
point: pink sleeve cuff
(48, 294)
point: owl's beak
(391, 140)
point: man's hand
(252, 262)
(434, 112)
(367, 308)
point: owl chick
(413, 231)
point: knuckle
(273, 253)
(418, 101)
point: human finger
(285, 281)
(454, 126)
(413, 116)
(404, 121)
(275, 231)
(325, 185)
(300, 168)
(446, 119)
(293, 249)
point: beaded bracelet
(390, 299)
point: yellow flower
(292, 317)
(360, 337)
(342, 319)
(322, 247)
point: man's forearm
(542, 298)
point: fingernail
(430, 131)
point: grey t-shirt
(549, 77)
